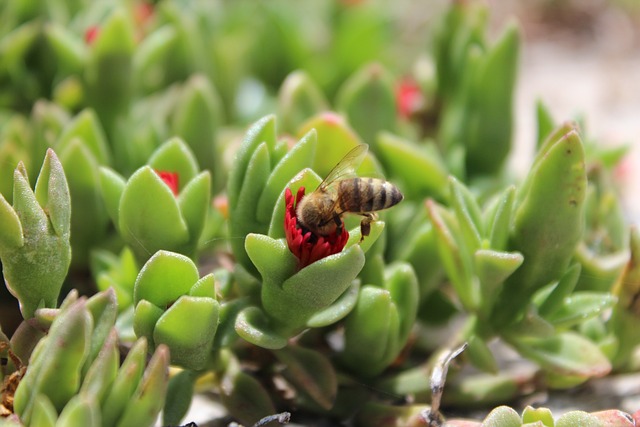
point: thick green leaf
(102, 372)
(545, 122)
(194, 201)
(370, 332)
(89, 227)
(488, 126)
(150, 217)
(148, 61)
(579, 418)
(338, 310)
(52, 192)
(299, 157)
(15, 45)
(532, 415)
(549, 142)
(335, 139)
(145, 317)
(401, 282)
(311, 373)
(245, 398)
(264, 130)
(57, 373)
(254, 326)
(81, 410)
(581, 306)
(34, 273)
(243, 213)
(492, 269)
(549, 223)
(86, 127)
(108, 78)
(368, 101)
(188, 328)
(480, 355)
(272, 257)
(69, 49)
(197, 118)
(179, 395)
(299, 98)
(531, 325)
(566, 353)
(10, 227)
(125, 383)
(467, 213)
(44, 413)
(502, 416)
(112, 186)
(146, 402)
(565, 286)
(164, 278)
(421, 172)
(455, 259)
(205, 287)
(175, 155)
(313, 288)
(500, 223)
(104, 309)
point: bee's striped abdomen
(390, 195)
(367, 195)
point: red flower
(221, 204)
(91, 34)
(142, 13)
(171, 179)
(408, 98)
(305, 245)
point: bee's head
(316, 213)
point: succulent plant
(74, 376)
(169, 198)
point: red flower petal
(143, 12)
(91, 34)
(408, 98)
(306, 246)
(171, 179)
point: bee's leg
(365, 224)
(339, 223)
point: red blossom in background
(91, 34)
(307, 247)
(171, 179)
(142, 13)
(142, 17)
(408, 98)
(623, 172)
(221, 204)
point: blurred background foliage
(118, 90)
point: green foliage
(74, 376)
(165, 185)
(35, 248)
(176, 308)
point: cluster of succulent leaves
(502, 416)
(75, 376)
(197, 272)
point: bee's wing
(346, 166)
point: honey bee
(321, 211)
